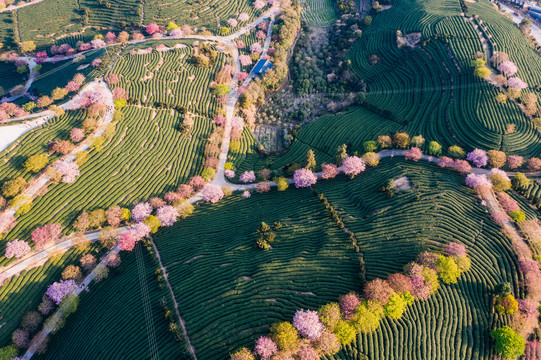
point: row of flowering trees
(313, 334)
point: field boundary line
(190, 347)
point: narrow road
(17, 7)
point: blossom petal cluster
(60, 289)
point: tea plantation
(396, 217)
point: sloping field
(147, 157)
(203, 13)
(312, 261)
(323, 136)
(430, 89)
(114, 321)
(35, 142)
(22, 294)
(319, 13)
(168, 78)
(249, 289)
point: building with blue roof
(262, 66)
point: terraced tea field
(147, 157)
(115, 321)
(319, 13)
(250, 288)
(168, 77)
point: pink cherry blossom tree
(72, 86)
(245, 60)
(508, 68)
(329, 171)
(176, 34)
(110, 37)
(243, 17)
(304, 178)
(140, 230)
(241, 76)
(212, 193)
(219, 120)
(197, 182)
(167, 215)
(517, 83)
(260, 4)
(478, 157)
(141, 211)
(515, 161)
(265, 347)
(232, 22)
(17, 249)
(229, 174)
(260, 35)
(240, 44)
(46, 233)
(127, 241)
(60, 289)
(98, 44)
(256, 48)
(348, 305)
(77, 135)
(152, 28)
(455, 249)
(474, 180)
(247, 177)
(237, 123)
(353, 165)
(68, 170)
(414, 154)
(308, 324)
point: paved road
(11, 7)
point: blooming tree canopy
(308, 324)
(516, 83)
(176, 34)
(243, 17)
(68, 170)
(42, 235)
(247, 177)
(478, 157)
(152, 28)
(353, 165)
(232, 22)
(229, 174)
(515, 161)
(98, 43)
(60, 289)
(256, 48)
(304, 178)
(167, 215)
(348, 305)
(17, 249)
(414, 154)
(141, 211)
(329, 171)
(473, 180)
(212, 193)
(77, 135)
(508, 68)
(265, 347)
(260, 4)
(197, 182)
(237, 123)
(245, 60)
(127, 241)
